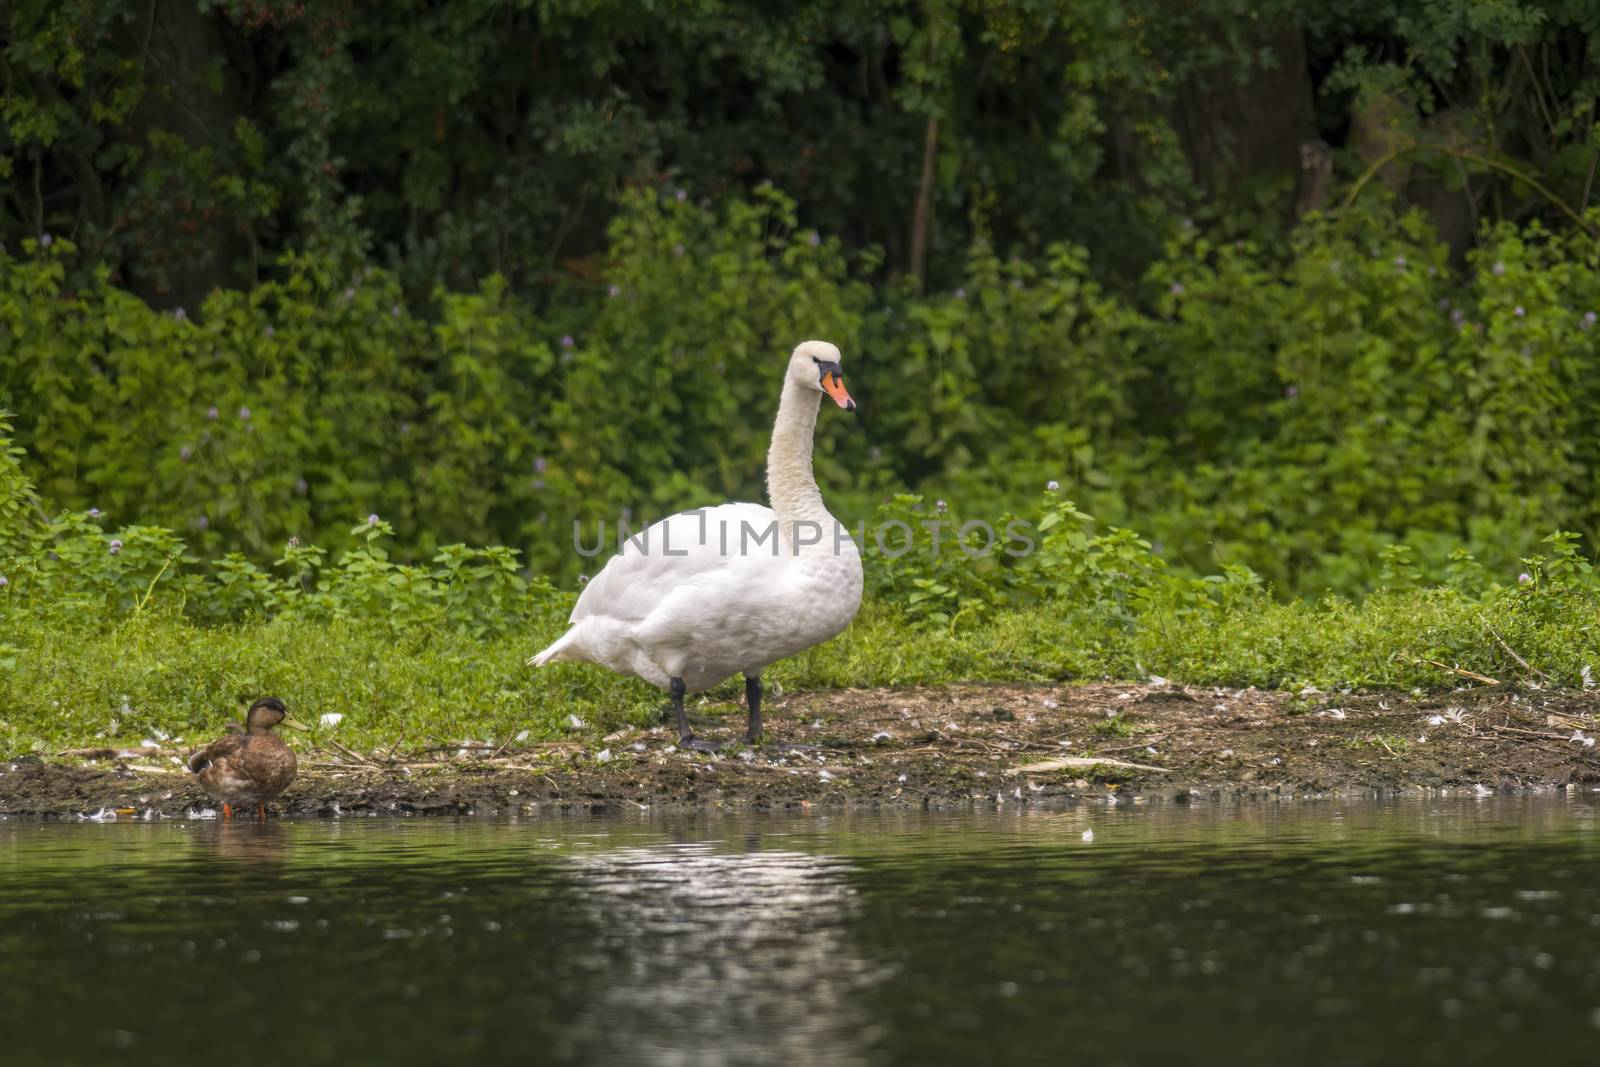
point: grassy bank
(114, 636)
(157, 676)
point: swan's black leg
(686, 738)
(752, 697)
(677, 691)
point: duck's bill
(833, 385)
(292, 723)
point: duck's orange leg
(227, 811)
(261, 812)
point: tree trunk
(1234, 131)
(182, 242)
(921, 217)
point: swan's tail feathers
(558, 651)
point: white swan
(703, 595)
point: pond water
(1438, 931)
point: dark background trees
(187, 143)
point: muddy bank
(947, 747)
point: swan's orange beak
(833, 385)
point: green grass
(70, 683)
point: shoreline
(952, 747)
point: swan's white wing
(682, 548)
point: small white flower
(575, 723)
(604, 755)
(332, 718)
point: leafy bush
(1362, 396)
(18, 501)
(1290, 410)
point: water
(1454, 931)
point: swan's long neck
(791, 486)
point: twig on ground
(1081, 763)
(394, 747)
(101, 752)
(1146, 743)
(1529, 733)
(1553, 719)
(1021, 743)
(1513, 653)
(1463, 672)
(358, 757)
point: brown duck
(249, 766)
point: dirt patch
(952, 746)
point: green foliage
(1291, 411)
(590, 279)
(18, 501)
(108, 633)
(73, 674)
(1361, 395)
(81, 572)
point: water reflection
(1433, 931)
(725, 957)
(265, 843)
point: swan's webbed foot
(686, 738)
